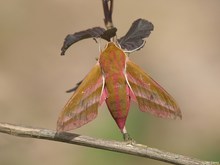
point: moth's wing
(83, 105)
(150, 96)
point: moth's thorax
(112, 59)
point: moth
(116, 80)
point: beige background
(182, 54)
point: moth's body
(113, 63)
(116, 80)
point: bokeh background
(182, 54)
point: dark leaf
(74, 88)
(95, 32)
(73, 38)
(133, 40)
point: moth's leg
(126, 136)
(100, 49)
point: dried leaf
(133, 40)
(95, 32)
(73, 38)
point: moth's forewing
(83, 105)
(151, 97)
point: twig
(122, 147)
(108, 9)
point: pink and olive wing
(150, 96)
(83, 105)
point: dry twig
(122, 147)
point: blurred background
(182, 54)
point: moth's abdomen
(118, 100)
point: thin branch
(108, 10)
(122, 147)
